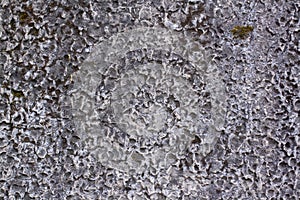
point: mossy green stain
(18, 94)
(24, 17)
(241, 31)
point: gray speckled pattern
(253, 154)
(158, 100)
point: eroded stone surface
(44, 42)
(151, 94)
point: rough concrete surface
(140, 99)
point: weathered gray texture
(151, 96)
(256, 156)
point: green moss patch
(18, 94)
(241, 31)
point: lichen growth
(241, 31)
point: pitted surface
(43, 46)
(151, 94)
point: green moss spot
(241, 31)
(18, 94)
(24, 17)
